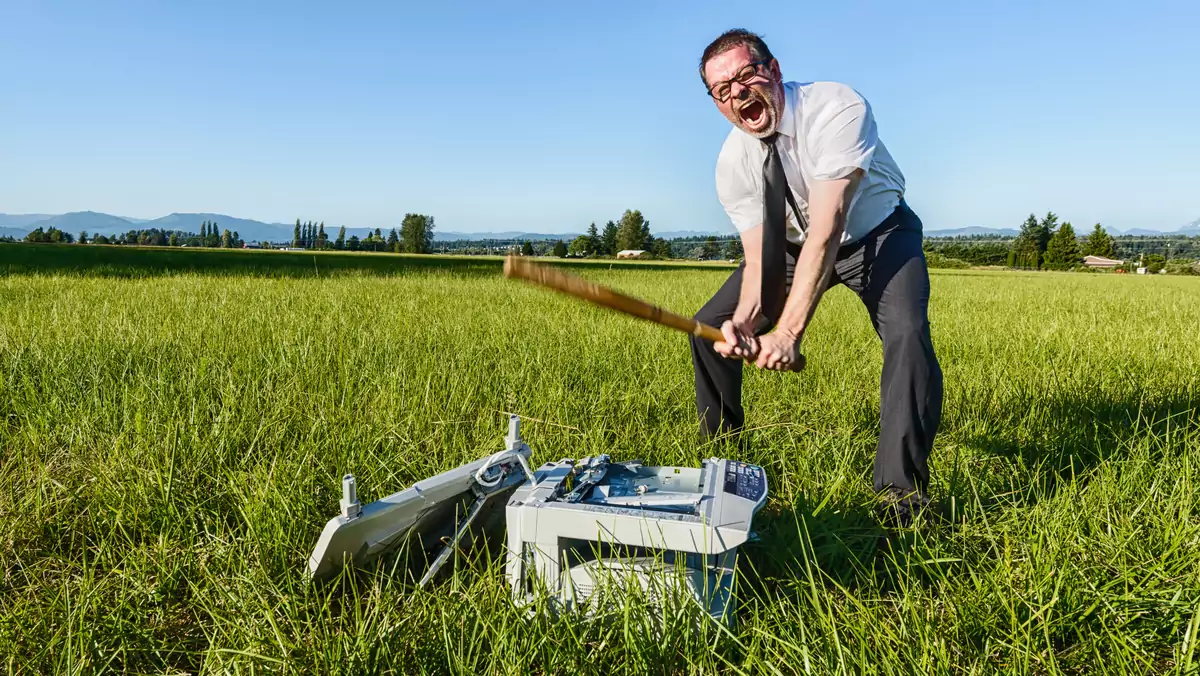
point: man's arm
(828, 206)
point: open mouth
(753, 113)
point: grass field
(172, 444)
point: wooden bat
(516, 266)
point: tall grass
(172, 445)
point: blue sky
(548, 116)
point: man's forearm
(811, 277)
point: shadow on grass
(131, 262)
(1061, 440)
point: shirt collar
(787, 116)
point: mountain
(21, 221)
(247, 229)
(973, 230)
(675, 234)
(15, 233)
(1191, 229)
(1139, 231)
(91, 221)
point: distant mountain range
(19, 225)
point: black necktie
(774, 234)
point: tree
(83, 237)
(340, 242)
(734, 249)
(581, 246)
(322, 238)
(1026, 244)
(608, 241)
(237, 239)
(526, 249)
(203, 231)
(1062, 252)
(173, 240)
(296, 234)
(393, 241)
(1099, 243)
(661, 248)
(352, 243)
(416, 233)
(1154, 263)
(630, 231)
(560, 249)
(226, 239)
(711, 250)
(593, 239)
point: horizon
(145, 111)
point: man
(817, 200)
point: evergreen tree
(608, 241)
(226, 239)
(560, 249)
(237, 239)
(322, 238)
(393, 241)
(352, 243)
(593, 239)
(1062, 252)
(711, 250)
(1098, 243)
(340, 242)
(83, 237)
(296, 234)
(203, 230)
(1026, 244)
(526, 249)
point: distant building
(251, 245)
(1101, 262)
(631, 253)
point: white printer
(577, 532)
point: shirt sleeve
(842, 136)
(738, 188)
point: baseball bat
(544, 275)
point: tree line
(414, 236)
(1047, 244)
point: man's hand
(779, 351)
(740, 341)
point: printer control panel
(745, 481)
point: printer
(579, 534)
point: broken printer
(573, 532)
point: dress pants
(887, 270)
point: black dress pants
(887, 270)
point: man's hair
(730, 39)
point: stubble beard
(770, 101)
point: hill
(91, 221)
(973, 230)
(21, 221)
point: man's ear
(775, 72)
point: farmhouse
(1101, 262)
(631, 253)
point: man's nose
(739, 91)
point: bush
(1180, 266)
(937, 260)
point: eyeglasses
(720, 91)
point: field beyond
(173, 432)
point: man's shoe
(903, 509)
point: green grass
(172, 443)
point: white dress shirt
(826, 130)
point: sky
(548, 116)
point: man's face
(754, 103)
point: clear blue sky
(547, 116)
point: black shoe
(903, 509)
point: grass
(172, 442)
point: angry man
(817, 200)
